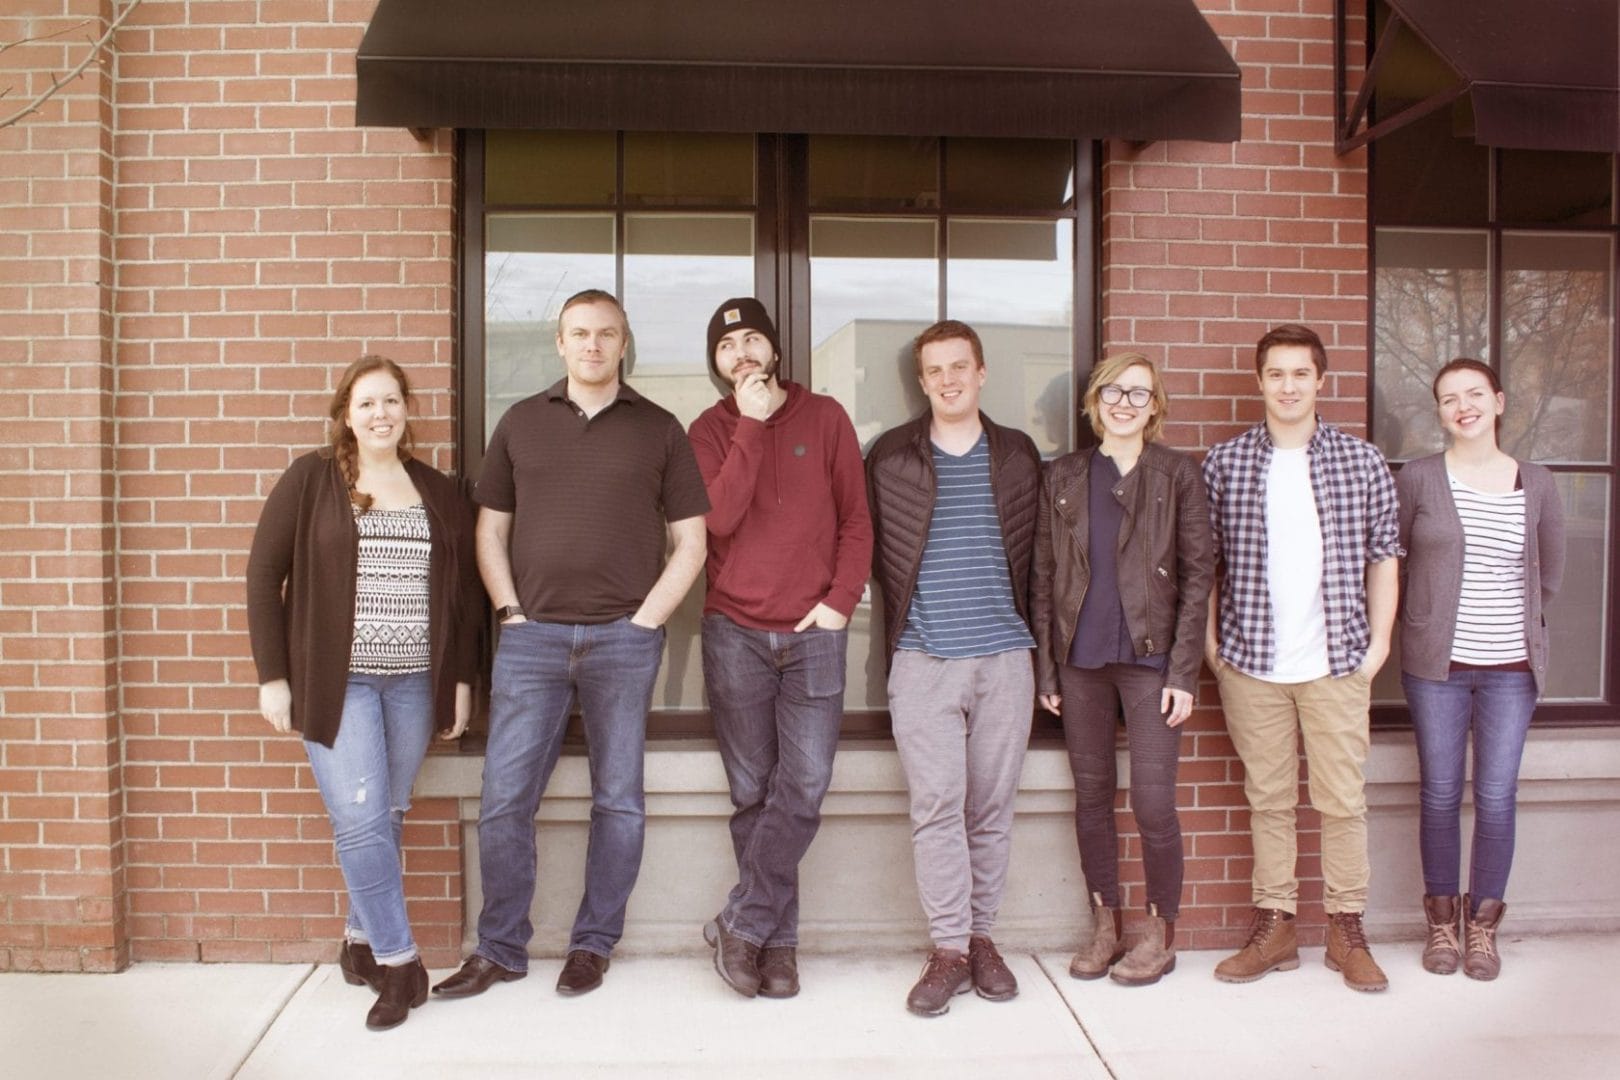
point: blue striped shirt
(963, 605)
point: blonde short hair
(1110, 368)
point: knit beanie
(740, 312)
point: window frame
(782, 215)
(1554, 714)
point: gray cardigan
(1431, 574)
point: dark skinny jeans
(1091, 704)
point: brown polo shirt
(589, 499)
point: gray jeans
(961, 727)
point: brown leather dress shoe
(476, 975)
(581, 973)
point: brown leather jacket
(901, 486)
(1166, 561)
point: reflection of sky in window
(527, 286)
(844, 290)
(670, 297)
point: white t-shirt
(1294, 570)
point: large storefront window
(855, 243)
(1509, 257)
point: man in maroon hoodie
(790, 548)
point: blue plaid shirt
(1358, 510)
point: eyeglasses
(1138, 396)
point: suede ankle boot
(1152, 957)
(1482, 961)
(1104, 948)
(404, 987)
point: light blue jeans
(365, 781)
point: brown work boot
(993, 980)
(1347, 952)
(946, 974)
(1104, 948)
(1272, 946)
(1152, 957)
(1482, 960)
(1441, 952)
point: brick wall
(1205, 247)
(192, 245)
(62, 880)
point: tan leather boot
(1347, 952)
(1104, 948)
(1482, 960)
(1442, 952)
(1152, 957)
(1273, 946)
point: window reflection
(1577, 665)
(532, 263)
(1431, 305)
(1557, 330)
(1014, 282)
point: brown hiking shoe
(1272, 946)
(1347, 952)
(778, 971)
(992, 978)
(1151, 958)
(1104, 948)
(946, 974)
(1482, 960)
(1442, 951)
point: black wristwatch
(507, 611)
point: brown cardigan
(307, 542)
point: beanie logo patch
(732, 316)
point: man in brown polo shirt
(584, 485)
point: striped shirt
(963, 605)
(391, 593)
(1490, 610)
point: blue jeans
(365, 781)
(1496, 706)
(777, 699)
(539, 669)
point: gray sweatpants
(961, 727)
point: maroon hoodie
(789, 528)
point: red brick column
(1205, 247)
(61, 830)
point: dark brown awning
(1538, 74)
(1133, 69)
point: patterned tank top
(391, 593)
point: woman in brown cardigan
(364, 609)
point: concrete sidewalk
(1553, 1014)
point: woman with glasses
(1484, 539)
(364, 610)
(1123, 569)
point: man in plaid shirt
(1304, 518)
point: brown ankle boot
(1482, 960)
(1442, 952)
(1347, 952)
(1273, 946)
(1104, 948)
(1152, 957)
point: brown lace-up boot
(1104, 948)
(1151, 958)
(1482, 960)
(1347, 952)
(1272, 946)
(1442, 952)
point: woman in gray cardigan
(1484, 539)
